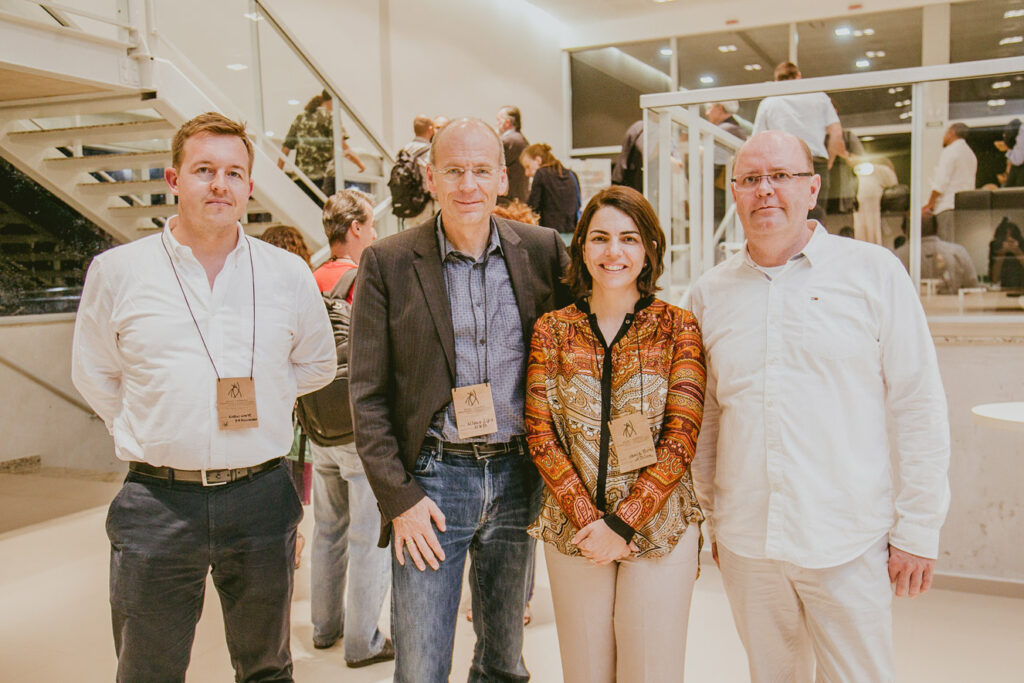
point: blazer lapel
(517, 261)
(428, 270)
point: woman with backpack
(555, 192)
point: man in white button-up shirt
(192, 345)
(955, 172)
(816, 344)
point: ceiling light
(238, 67)
(663, 1)
(879, 53)
(253, 16)
(727, 48)
(707, 80)
(858, 34)
(869, 31)
(864, 168)
(899, 104)
(906, 115)
(893, 91)
(751, 67)
(1013, 13)
(293, 102)
(862, 63)
(665, 52)
(996, 103)
(1011, 40)
(269, 133)
(843, 31)
(1001, 84)
(867, 138)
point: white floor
(55, 623)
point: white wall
(450, 57)
(35, 421)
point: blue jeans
(165, 538)
(345, 542)
(487, 504)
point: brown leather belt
(477, 450)
(204, 477)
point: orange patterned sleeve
(684, 408)
(547, 453)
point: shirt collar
(182, 251)
(446, 248)
(813, 251)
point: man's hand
(600, 544)
(1001, 146)
(411, 530)
(911, 574)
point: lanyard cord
(252, 271)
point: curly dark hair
(638, 209)
(288, 238)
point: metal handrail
(289, 37)
(49, 387)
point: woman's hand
(601, 545)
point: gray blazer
(402, 352)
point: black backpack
(408, 198)
(325, 414)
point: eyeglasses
(454, 174)
(775, 179)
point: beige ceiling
(571, 11)
(19, 85)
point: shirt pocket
(837, 324)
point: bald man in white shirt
(192, 345)
(814, 344)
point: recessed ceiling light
(899, 104)
(751, 67)
(893, 91)
(269, 133)
(858, 34)
(869, 31)
(661, 2)
(293, 102)
(727, 48)
(996, 103)
(1001, 84)
(238, 67)
(906, 115)
(1011, 40)
(867, 138)
(1013, 13)
(862, 63)
(665, 52)
(843, 31)
(707, 79)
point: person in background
(872, 179)
(1005, 258)
(818, 351)
(510, 128)
(290, 239)
(1012, 145)
(517, 211)
(628, 167)
(440, 122)
(941, 260)
(811, 117)
(955, 172)
(344, 509)
(311, 135)
(620, 523)
(555, 191)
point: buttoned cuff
(619, 527)
(915, 539)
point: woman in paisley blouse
(619, 521)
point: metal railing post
(916, 172)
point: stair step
(158, 186)
(128, 131)
(111, 162)
(69, 105)
(163, 210)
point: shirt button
(482, 342)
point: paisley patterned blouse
(657, 362)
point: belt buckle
(207, 482)
(476, 451)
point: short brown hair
(421, 125)
(638, 209)
(342, 209)
(786, 71)
(289, 239)
(210, 123)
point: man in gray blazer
(440, 334)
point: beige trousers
(791, 618)
(625, 621)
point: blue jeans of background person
(345, 542)
(164, 540)
(487, 505)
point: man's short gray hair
(344, 208)
(960, 130)
(461, 123)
